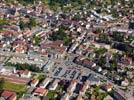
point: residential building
(54, 85)
(34, 82)
(8, 95)
(66, 97)
(40, 92)
(79, 97)
(24, 73)
(72, 86)
(45, 82)
(84, 88)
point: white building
(54, 85)
(72, 86)
(45, 82)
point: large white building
(54, 85)
(45, 82)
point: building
(34, 82)
(66, 97)
(94, 80)
(8, 95)
(79, 97)
(84, 88)
(72, 86)
(54, 85)
(40, 92)
(48, 65)
(108, 87)
(24, 73)
(15, 79)
(45, 82)
(125, 82)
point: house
(45, 83)
(24, 73)
(8, 95)
(98, 69)
(72, 86)
(56, 48)
(101, 45)
(27, 32)
(79, 97)
(20, 49)
(54, 85)
(108, 87)
(66, 97)
(34, 82)
(40, 92)
(20, 46)
(126, 60)
(125, 82)
(84, 88)
(78, 60)
(84, 62)
(93, 97)
(94, 80)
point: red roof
(8, 94)
(14, 79)
(40, 91)
(26, 72)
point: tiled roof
(8, 94)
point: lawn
(18, 88)
(51, 95)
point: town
(83, 50)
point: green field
(18, 88)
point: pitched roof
(40, 90)
(8, 94)
(14, 79)
(25, 72)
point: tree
(60, 35)
(114, 13)
(32, 23)
(104, 38)
(36, 40)
(101, 51)
(77, 17)
(41, 77)
(3, 22)
(130, 38)
(31, 67)
(102, 61)
(117, 36)
(22, 25)
(113, 64)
